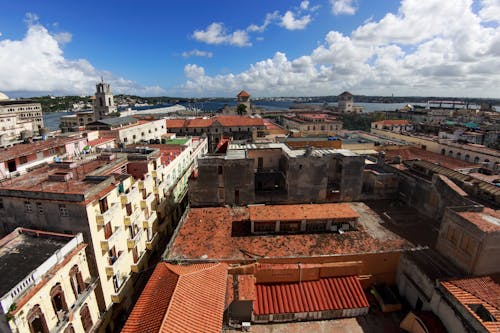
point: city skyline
(301, 48)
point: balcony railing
(114, 263)
(112, 240)
(136, 266)
(132, 242)
(150, 220)
(130, 197)
(134, 217)
(119, 294)
(103, 218)
(151, 244)
(148, 201)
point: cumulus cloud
(270, 17)
(194, 71)
(36, 65)
(417, 50)
(490, 10)
(348, 7)
(304, 5)
(197, 53)
(288, 21)
(216, 33)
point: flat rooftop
(22, 252)
(301, 212)
(34, 147)
(222, 233)
(488, 220)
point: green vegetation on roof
(180, 141)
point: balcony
(150, 220)
(113, 264)
(160, 188)
(103, 218)
(133, 217)
(136, 266)
(112, 240)
(147, 202)
(123, 289)
(130, 197)
(151, 244)
(154, 173)
(132, 242)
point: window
(27, 207)
(39, 208)
(58, 300)
(219, 169)
(63, 211)
(76, 281)
(36, 320)
(452, 235)
(86, 318)
(23, 160)
(1, 203)
(108, 231)
(103, 205)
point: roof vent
(60, 176)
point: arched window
(450, 153)
(76, 280)
(36, 320)
(459, 155)
(86, 318)
(57, 298)
(476, 159)
(467, 157)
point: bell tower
(104, 103)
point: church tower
(104, 103)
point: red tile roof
(302, 212)
(243, 93)
(310, 296)
(226, 121)
(100, 141)
(478, 290)
(34, 147)
(181, 298)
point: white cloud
(36, 65)
(288, 21)
(197, 53)
(216, 33)
(348, 7)
(304, 5)
(416, 51)
(270, 17)
(490, 10)
(194, 71)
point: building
(181, 298)
(23, 158)
(346, 103)
(104, 104)
(46, 285)
(19, 119)
(243, 98)
(469, 237)
(398, 126)
(103, 107)
(244, 128)
(313, 124)
(273, 173)
(130, 130)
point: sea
(51, 120)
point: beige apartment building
(49, 287)
(118, 201)
(19, 118)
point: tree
(242, 109)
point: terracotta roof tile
(393, 122)
(334, 293)
(412, 153)
(243, 93)
(478, 290)
(181, 298)
(302, 212)
(488, 220)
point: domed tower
(104, 103)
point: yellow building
(49, 287)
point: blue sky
(270, 48)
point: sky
(205, 48)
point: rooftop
(34, 147)
(224, 233)
(301, 212)
(226, 121)
(243, 93)
(476, 292)
(392, 122)
(333, 293)
(181, 298)
(413, 153)
(21, 252)
(488, 220)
